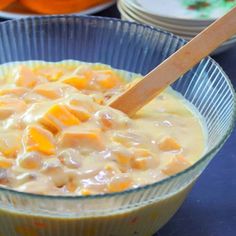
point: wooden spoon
(176, 65)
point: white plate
(185, 9)
(176, 21)
(158, 20)
(17, 8)
(225, 46)
(191, 31)
(148, 21)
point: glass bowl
(135, 48)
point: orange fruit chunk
(119, 184)
(80, 138)
(77, 81)
(169, 144)
(5, 163)
(81, 113)
(25, 77)
(107, 79)
(143, 159)
(59, 117)
(39, 140)
(176, 165)
(141, 163)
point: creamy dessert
(58, 136)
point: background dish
(204, 10)
(16, 11)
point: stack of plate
(185, 18)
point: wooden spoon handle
(176, 65)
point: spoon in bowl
(176, 65)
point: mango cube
(77, 81)
(48, 90)
(39, 140)
(140, 163)
(79, 138)
(107, 79)
(123, 157)
(59, 117)
(176, 165)
(169, 144)
(119, 184)
(81, 113)
(5, 163)
(25, 77)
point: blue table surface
(210, 209)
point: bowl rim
(148, 186)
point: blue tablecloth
(210, 209)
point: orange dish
(54, 6)
(5, 3)
(60, 6)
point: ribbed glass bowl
(135, 48)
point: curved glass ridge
(127, 46)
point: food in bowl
(59, 137)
